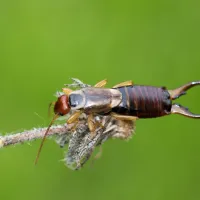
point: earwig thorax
(62, 106)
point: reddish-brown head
(62, 106)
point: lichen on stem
(33, 134)
(81, 142)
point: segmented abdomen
(143, 101)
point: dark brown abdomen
(144, 101)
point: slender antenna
(49, 109)
(43, 139)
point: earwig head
(62, 106)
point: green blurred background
(44, 43)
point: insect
(124, 101)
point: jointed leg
(67, 91)
(126, 83)
(123, 117)
(176, 93)
(97, 156)
(74, 125)
(91, 124)
(101, 83)
(74, 117)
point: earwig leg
(176, 93)
(74, 125)
(91, 124)
(99, 124)
(124, 117)
(67, 91)
(178, 109)
(126, 83)
(101, 83)
(97, 156)
(74, 117)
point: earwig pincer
(124, 101)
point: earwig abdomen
(144, 101)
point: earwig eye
(62, 106)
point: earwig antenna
(43, 139)
(49, 109)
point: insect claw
(176, 93)
(178, 109)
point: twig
(33, 134)
(81, 142)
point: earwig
(124, 101)
(150, 102)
